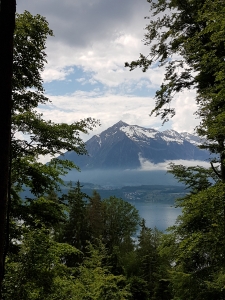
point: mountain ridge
(122, 145)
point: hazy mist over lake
(123, 177)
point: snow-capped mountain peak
(122, 145)
(146, 135)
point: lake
(157, 215)
(160, 215)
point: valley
(155, 203)
(160, 194)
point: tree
(152, 266)
(198, 248)
(174, 30)
(195, 178)
(31, 135)
(76, 231)
(95, 216)
(96, 281)
(7, 26)
(38, 270)
(196, 244)
(40, 137)
(148, 256)
(138, 288)
(121, 220)
(187, 38)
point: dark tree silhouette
(7, 25)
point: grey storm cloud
(82, 22)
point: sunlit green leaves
(38, 270)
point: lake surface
(157, 215)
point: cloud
(57, 73)
(82, 23)
(107, 107)
(97, 37)
(185, 118)
(81, 80)
(147, 165)
(104, 62)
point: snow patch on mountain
(145, 135)
(193, 139)
(99, 140)
(172, 136)
(171, 139)
(134, 132)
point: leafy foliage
(121, 219)
(196, 178)
(32, 135)
(95, 280)
(175, 29)
(38, 271)
(199, 245)
(187, 39)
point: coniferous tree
(95, 216)
(152, 267)
(76, 230)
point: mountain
(123, 146)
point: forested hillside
(78, 246)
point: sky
(85, 75)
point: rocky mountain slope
(122, 146)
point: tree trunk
(7, 25)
